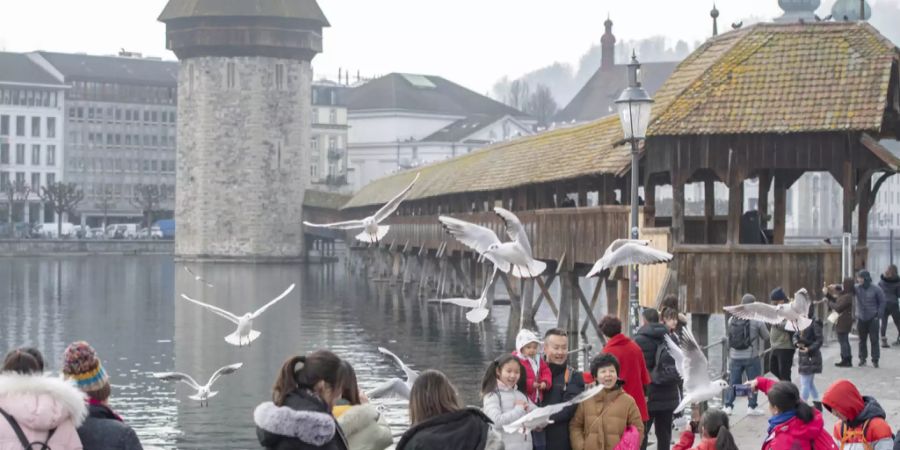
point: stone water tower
(244, 88)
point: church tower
(244, 88)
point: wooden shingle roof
(798, 78)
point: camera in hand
(742, 390)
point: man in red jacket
(633, 369)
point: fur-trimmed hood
(41, 402)
(310, 427)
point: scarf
(781, 418)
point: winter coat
(844, 397)
(466, 429)
(104, 430)
(663, 393)
(812, 338)
(567, 384)
(40, 404)
(780, 338)
(600, 421)
(365, 428)
(897, 442)
(303, 423)
(759, 333)
(687, 442)
(891, 289)
(632, 369)
(796, 434)
(500, 407)
(843, 305)
(543, 374)
(869, 302)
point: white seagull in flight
(395, 386)
(478, 307)
(372, 231)
(625, 252)
(245, 334)
(197, 277)
(693, 367)
(513, 257)
(795, 313)
(203, 392)
(541, 417)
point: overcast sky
(472, 42)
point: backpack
(21, 434)
(739, 334)
(855, 435)
(663, 375)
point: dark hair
(489, 382)
(602, 360)
(22, 362)
(610, 326)
(848, 286)
(669, 301)
(891, 271)
(102, 394)
(650, 315)
(785, 397)
(36, 354)
(432, 395)
(670, 314)
(305, 372)
(715, 423)
(556, 332)
(349, 384)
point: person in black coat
(567, 384)
(809, 344)
(663, 393)
(299, 415)
(104, 430)
(440, 422)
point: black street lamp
(634, 107)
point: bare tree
(63, 199)
(148, 198)
(541, 105)
(105, 203)
(16, 192)
(519, 92)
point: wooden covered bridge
(767, 102)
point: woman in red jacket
(631, 359)
(715, 432)
(794, 425)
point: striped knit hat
(82, 366)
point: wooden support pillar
(677, 209)
(780, 208)
(649, 204)
(566, 299)
(735, 210)
(560, 194)
(582, 193)
(622, 303)
(849, 183)
(765, 181)
(515, 311)
(709, 209)
(865, 205)
(527, 302)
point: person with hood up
(537, 374)
(840, 300)
(567, 383)
(862, 425)
(36, 410)
(794, 425)
(103, 429)
(663, 393)
(299, 415)
(890, 285)
(715, 433)
(438, 421)
(362, 423)
(745, 338)
(809, 343)
(869, 309)
(632, 367)
(605, 420)
(781, 360)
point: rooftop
(19, 68)
(113, 69)
(289, 9)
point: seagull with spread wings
(245, 334)
(395, 386)
(478, 310)
(197, 277)
(541, 417)
(203, 392)
(693, 367)
(513, 257)
(372, 231)
(625, 252)
(795, 313)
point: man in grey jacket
(745, 358)
(869, 308)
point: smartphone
(742, 390)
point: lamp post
(634, 107)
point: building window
(20, 177)
(314, 144)
(153, 116)
(4, 125)
(313, 170)
(229, 75)
(20, 154)
(51, 155)
(51, 127)
(332, 143)
(146, 116)
(279, 76)
(4, 181)
(20, 126)
(332, 116)
(51, 179)
(154, 165)
(36, 155)
(35, 181)
(4, 153)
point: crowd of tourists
(317, 403)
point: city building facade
(328, 146)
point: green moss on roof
(289, 9)
(324, 200)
